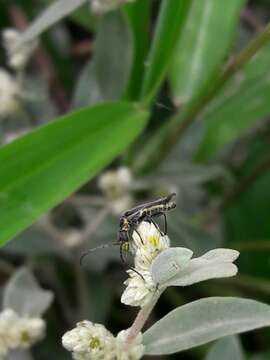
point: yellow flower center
(25, 338)
(153, 240)
(94, 342)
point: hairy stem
(141, 319)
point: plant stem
(164, 140)
(141, 319)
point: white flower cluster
(11, 85)
(18, 332)
(18, 54)
(102, 6)
(148, 243)
(89, 341)
(116, 185)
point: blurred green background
(207, 137)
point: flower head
(140, 288)
(116, 186)
(18, 55)
(148, 242)
(89, 341)
(19, 332)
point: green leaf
(138, 13)
(242, 102)
(170, 20)
(104, 77)
(226, 348)
(114, 54)
(199, 52)
(54, 13)
(42, 168)
(202, 321)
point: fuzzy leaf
(212, 265)
(202, 321)
(226, 348)
(23, 295)
(114, 54)
(168, 263)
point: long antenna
(104, 246)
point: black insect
(130, 220)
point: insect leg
(137, 272)
(137, 232)
(156, 225)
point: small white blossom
(148, 242)
(134, 351)
(9, 91)
(116, 186)
(18, 55)
(140, 289)
(89, 341)
(102, 6)
(19, 332)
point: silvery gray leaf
(114, 54)
(168, 263)
(212, 265)
(226, 348)
(87, 90)
(55, 12)
(24, 295)
(203, 321)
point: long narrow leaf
(169, 23)
(40, 169)
(138, 13)
(243, 101)
(202, 45)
